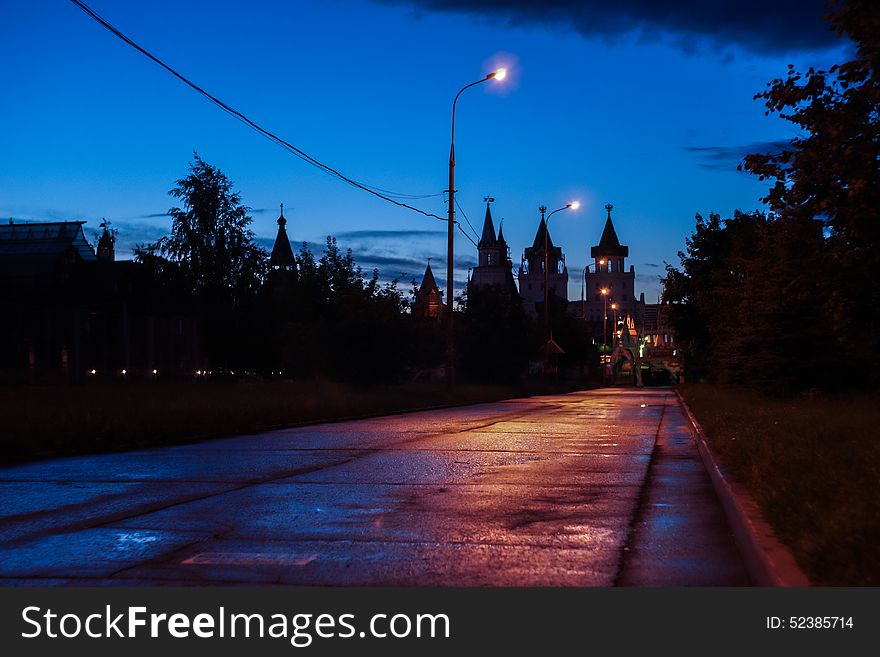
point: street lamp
(499, 75)
(574, 205)
(604, 293)
(584, 291)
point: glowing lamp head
(574, 205)
(602, 261)
(500, 74)
(613, 306)
(604, 291)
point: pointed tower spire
(282, 254)
(488, 237)
(428, 298)
(609, 244)
(539, 236)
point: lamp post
(614, 308)
(574, 205)
(584, 287)
(499, 75)
(604, 293)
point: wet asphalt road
(587, 489)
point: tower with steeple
(531, 270)
(428, 299)
(494, 268)
(106, 251)
(282, 255)
(611, 274)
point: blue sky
(650, 113)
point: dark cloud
(651, 264)
(653, 279)
(726, 158)
(761, 26)
(390, 233)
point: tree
(211, 241)
(831, 173)
(211, 262)
(749, 302)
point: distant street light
(574, 205)
(604, 293)
(584, 290)
(499, 75)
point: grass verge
(813, 466)
(43, 422)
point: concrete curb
(767, 560)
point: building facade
(494, 267)
(611, 274)
(531, 271)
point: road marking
(250, 559)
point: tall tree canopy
(831, 173)
(211, 241)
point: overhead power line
(461, 209)
(383, 194)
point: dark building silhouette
(72, 314)
(282, 255)
(494, 267)
(106, 250)
(428, 301)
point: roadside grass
(44, 422)
(813, 466)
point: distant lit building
(610, 273)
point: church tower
(494, 267)
(282, 255)
(106, 251)
(610, 274)
(531, 270)
(429, 299)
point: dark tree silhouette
(211, 241)
(749, 303)
(832, 172)
(210, 262)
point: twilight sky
(648, 109)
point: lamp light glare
(500, 74)
(574, 205)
